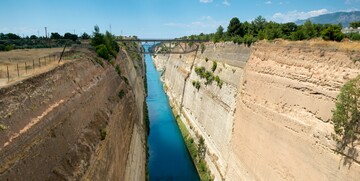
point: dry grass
(20, 56)
(34, 60)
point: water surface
(169, 158)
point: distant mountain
(345, 18)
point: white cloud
(351, 1)
(205, 24)
(296, 15)
(226, 3)
(268, 2)
(206, 1)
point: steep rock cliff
(282, 128)
(71, 124)
(270, 119)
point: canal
(169, 158)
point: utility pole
(110, 29)
(46, 32)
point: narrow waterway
(169, 158)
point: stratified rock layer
(271, 118)
(71, 124)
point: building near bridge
(350, 30)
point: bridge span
(167, 46)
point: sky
(153, 18)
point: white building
(350, 30)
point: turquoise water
(169, 158)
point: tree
(319, 28)
(287, 29)
(298, 35)
(346, 116)
(309, 30)
(12, 36)
(248, 28)
(55, 36)
(355, 24)
(219, 34)
(111, 44)
(105, 45)
(249, 39)
(332, 33)
(85, 36)
(259, 24)
(33, 37)
(98, 38)
(272, 31)
(70, 36)
(235, 28)
(102, 51)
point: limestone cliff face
(209, 111)
(270, 119)
(70, 123)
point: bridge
(166, 46)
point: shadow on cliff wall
(349, 154)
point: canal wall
(72, 123)
(270, 118)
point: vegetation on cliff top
(259, 29)
(105, 45)
(346, 115)
(12, 41)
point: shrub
(99, 61)
(125, 79)
(9, 47)
(346, 115)
(202, 48)
(102, 52)
(200, 71)
(118, 70)
(214, 66)
(209, 77)
(121, 94)
(191, 44)
(332, 33)
(206, 59)
(201, 149)
(112, 62)
(354, 36)
(249, 39)
(102, 133)
(108, 41)
(218, 81)
(237, 40)
(2, 127)
(196, 84)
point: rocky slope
(270, 118)
(71, 123)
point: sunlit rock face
(270, 120)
